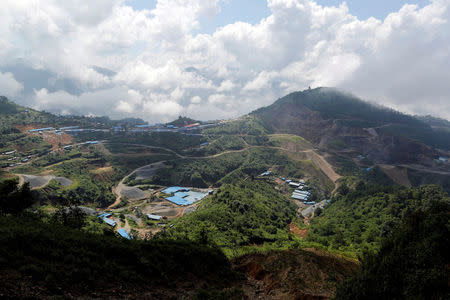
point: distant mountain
(338, 121)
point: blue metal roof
(179, 201)
(104, 215)
(174, 189)
(109, 222)
(69, 127)
(180, 194)
(41, 129)
(299, 197)
(123, 233)
(195, 196)
(154, 217)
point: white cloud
(196, 100)
(9, 86)
(164, 69)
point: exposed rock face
(293, 274)
(339, 122)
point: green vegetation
(14, 199)
(199, 173)
(290, 141)
(412, 262)
(358, 218)
(224, 143)
(182, 121)
(61, 260)
(233, 167)
(318, 112)
(247, 125)
(172, 140)
(251, 213)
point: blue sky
(252, 11)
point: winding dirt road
(317, 159)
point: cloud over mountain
(154, 64)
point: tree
(72, 217)
(15, 199)
(411, 264)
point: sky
(214, 59)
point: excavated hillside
(337, 121)
(293, 274)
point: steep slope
(40, 260)
(411, 264)
(337, 121)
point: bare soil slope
(293, 274)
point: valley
(290, 196)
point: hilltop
(356, 133)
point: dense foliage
(412, 262)
(64, 260)
(252, 212)
(358, 218)
(233, 167)
(14, 199)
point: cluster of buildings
(300, 192)
(106, 217)
(184, 196)
(72, 130)
(170, 128)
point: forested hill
(336, 120)
(12, 114)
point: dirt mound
(57, 140)
(103, 174)
(132, 193)
(35, 181)
(293, 274)
(397, 174)
(148, 171)
(302, 233)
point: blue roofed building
(110, 222)
(178, 200)
(180, 194)
(153, 217)
(123, 233)
(174, 189)
(195, 196)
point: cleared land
(37, 182)
(133, 193)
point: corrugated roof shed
(109, 222)
(123, 233)
(180, 194)
(154, 217)
(298, 197)
(195, 196)
(179, 201)
(174, 189)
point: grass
(290, 141)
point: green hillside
(412, 262)
(358, 218)
(348, 111)
(251, 213)
(65, 261)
